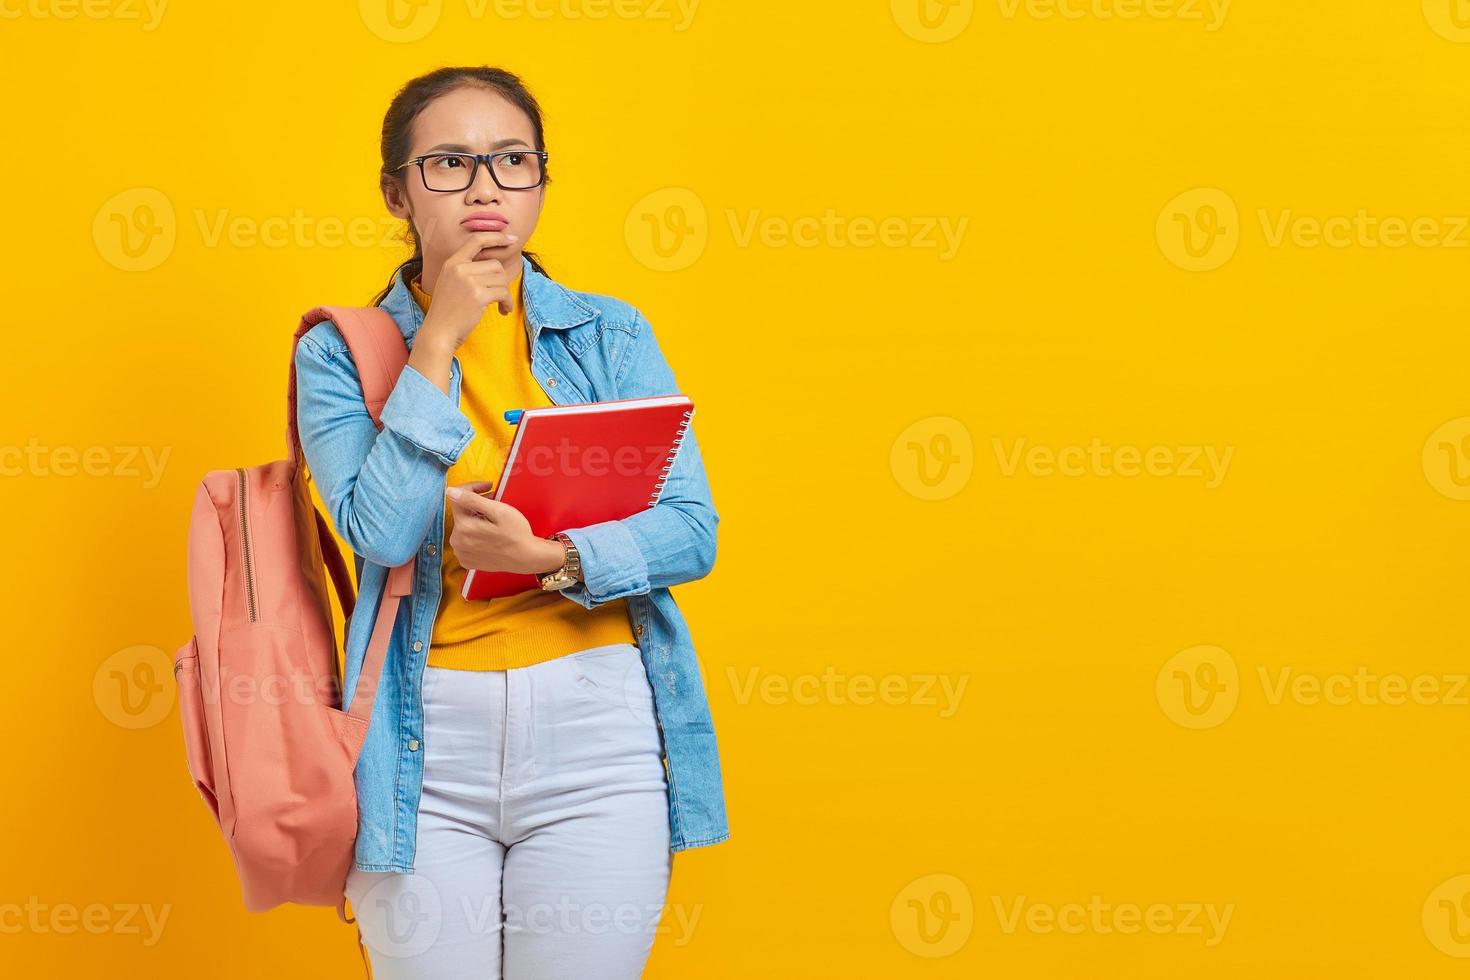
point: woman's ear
(395, 199)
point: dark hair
(397, 138)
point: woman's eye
(514, 159)
(448, 162)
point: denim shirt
(384, 492)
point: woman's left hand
(490, 536)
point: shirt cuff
(612, 564)
(428, 418)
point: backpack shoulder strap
(379, 351)
(377, 348)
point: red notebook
(575, 465)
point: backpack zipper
(245, 545)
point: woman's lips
(484, 224)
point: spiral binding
(663, 473)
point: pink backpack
(266, 741)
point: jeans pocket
(430, 734)
(615, 675)
(427, 684)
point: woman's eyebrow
(461, 148)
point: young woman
(533, 762)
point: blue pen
(514, 415)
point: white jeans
(543, 831)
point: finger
(485, 270)
(468, 502)
(480, 240)
(465, 518)
(497, 293)
(497, 239)
(487, 508)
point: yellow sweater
(524, 629)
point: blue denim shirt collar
(548, 305)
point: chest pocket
(597, 347)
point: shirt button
(551, 382)
(418, 645)
(638, 629)
(433, 549)
(413, 745)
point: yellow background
(859, 404)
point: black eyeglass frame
(479, 158)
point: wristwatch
(570, 570)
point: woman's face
(467, 120)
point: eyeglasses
(512, 170)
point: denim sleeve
(382, 488)
(663, 545)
